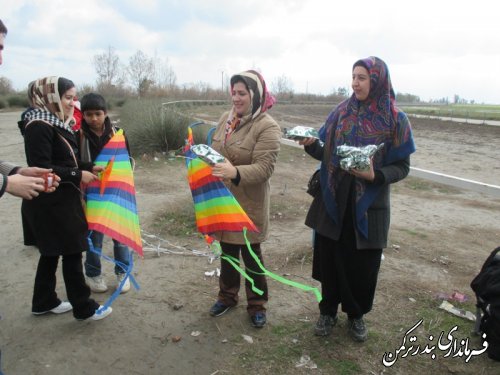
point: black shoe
(258, 320)
(357, 329)
(218, 309)
(325, 324)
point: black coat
(55, 222)
(378, 213)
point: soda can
(49, 180)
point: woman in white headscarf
(249, 139)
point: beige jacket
(253, 149)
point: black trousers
(44, 294)
(348, 275)
(229, 281)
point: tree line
(145, 76)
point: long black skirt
(348, 275)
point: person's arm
(24, 186)
(388, 174)
(3, 184)
(24, 182)
(7, 168)
(314, 147)
(393, 172)
(264, 156)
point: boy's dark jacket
(91, 144)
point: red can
(49, 180)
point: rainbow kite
(216, 209)
(111, 206)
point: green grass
(283, 346)
(472, 111)
(414, 233)
(177, 221)
(417, 184)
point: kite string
(128, 271)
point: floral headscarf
(260, 98)
(44, 96)
(374, 121)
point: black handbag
(314, 185)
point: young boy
(95, 132)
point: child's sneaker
(101, 313)
(97, 284)
(126, 284)
(60, 309)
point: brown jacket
(253, 149)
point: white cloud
(433, 48)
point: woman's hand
(96, 169)
(224, 170)
(55, 183)
(368, 175)
(307, 141)
(88, 177)
(41, 173)
(33, 171)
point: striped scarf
(44, 96)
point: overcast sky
(434, 48)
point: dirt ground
(439, 238)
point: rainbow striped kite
(216, 209)
(111, 207)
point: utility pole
(222, 81)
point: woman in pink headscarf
(249, 139)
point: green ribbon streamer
(217, 250)
(235, 263)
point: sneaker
(60, 309)
(218, 309)
(126, 284)
(101, 313)
(258, 319)
(325, 324)
(357, 329)
(97, 284)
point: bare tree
(343, 91)
(6, 86)
(165, 78)
(141, 70)
(107, 66)
(282, 86)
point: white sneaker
(60, 309)
(97, 284)
(101, 313)
(126, 284)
